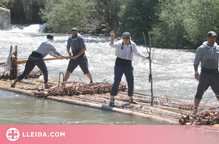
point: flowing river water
(172, 69)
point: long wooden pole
(45, 59)
(150, 75)
(145, 42)
(13, 70)
(2, 63)
(24, 61)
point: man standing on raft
(78, 48)
(124, 50)
(208, 55)
(36, 58)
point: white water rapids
(172, 69)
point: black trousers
(205, 81)
(31, 63)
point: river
(172, 69)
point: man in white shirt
(125, 49)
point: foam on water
(34, 28)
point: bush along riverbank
(172, 23)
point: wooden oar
(24, 61)
(2, 63)
(45, 59)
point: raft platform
(96, 95)
(100, 99)
(163, 109)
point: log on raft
(24, 60)
(114, 109)
(87, 100)
(161, 112)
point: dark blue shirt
(76, 44)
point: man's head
(74, 32)
(126, 36)
(50, 37)
(211, 38)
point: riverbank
(173, 72)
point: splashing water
(172, 69)
(34, 28)
(8, 62)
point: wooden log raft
(106, 107)
(13, 69)
(164, 110)
(169, 111)
(100, 101)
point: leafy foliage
(120, 15)
(170, 31)
(3, 3)
(138, 16)
(108, 11)
(202, 17)
(173, 23)
(184, 23)
(62, 15)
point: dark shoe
(112, 104)
(47, 86)
(91, 82)
(13, 84)
(133, 102)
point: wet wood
(45, 59)
(14, 67)
(106, 107)
(24, 60)
(170, 111)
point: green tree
(3, 3)
(107, 13)
(170, 31)
(61, 15)
(184, 23)
(108, 10)
(201, 18)
(138, 16)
